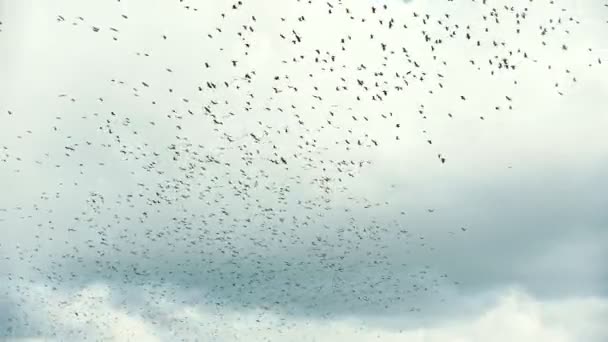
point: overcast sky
(136, 206)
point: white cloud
(515, 317)
(556, 148)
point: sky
(303, 170)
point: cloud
(539, 226)
(93, 312)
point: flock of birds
(240, 173)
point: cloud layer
(503, 242)
(94, 312)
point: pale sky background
(365, 260)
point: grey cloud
(526, 185)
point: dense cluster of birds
(239, 172)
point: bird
(253, 164)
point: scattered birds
(244, 170)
